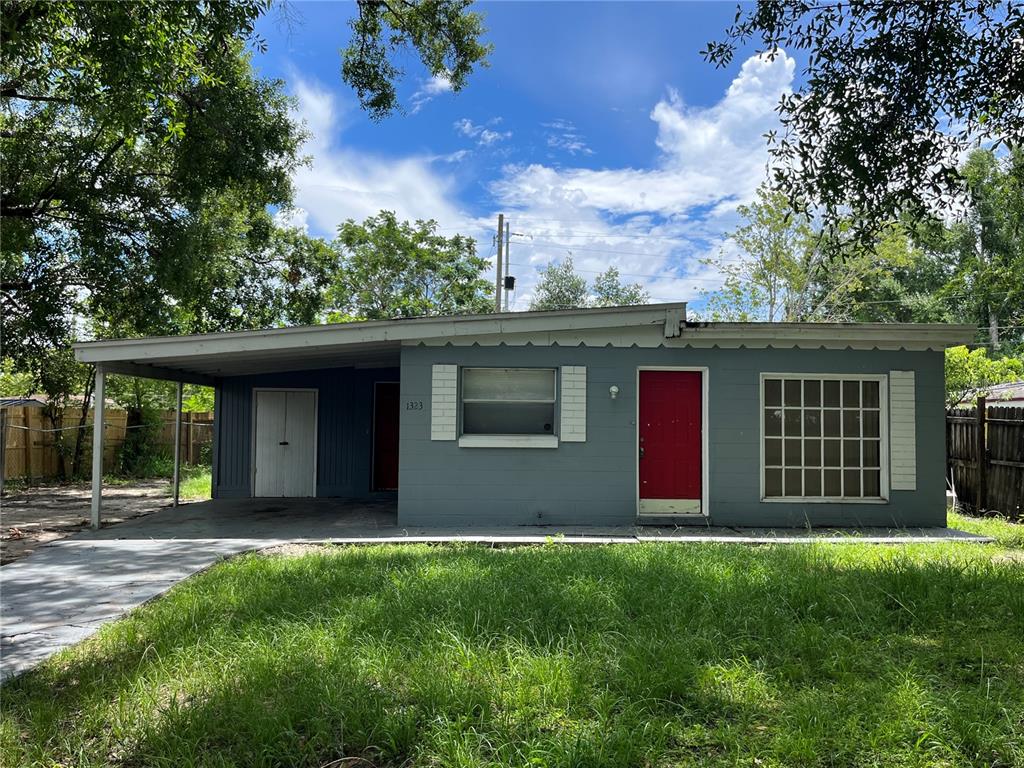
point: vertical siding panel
(343, 433)
(903, 429)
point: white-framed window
(508, 401)
(823, 437)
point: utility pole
(508, 263)
(498, 280)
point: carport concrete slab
(66, 590)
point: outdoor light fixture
(613, 391)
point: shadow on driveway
(67, 589)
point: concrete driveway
(67, 589)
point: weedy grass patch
(195, 483)
(642, 655)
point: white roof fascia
(883, 336)
(325, 336)
(832, 335)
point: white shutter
(902, 431)
(573, 404)
(444, 385)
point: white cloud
(709, 155)
(452, 157)
(484, 136)
(296, 218)
(654, 224)
(341, 182)
(428, 90)
(563, 135)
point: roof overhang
(203, 359)
(909, 337)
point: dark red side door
(670, 435)
(385, 436)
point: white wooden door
(285, 443)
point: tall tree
(990, 241)
(122, 126)
(130, 133)
(609, 291)
(771, 278)
(966, 270)
(387, 268)
(560, 288)
(790, 270)
(444, 35)
(891, 94)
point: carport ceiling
(205, 369)
(294, 359)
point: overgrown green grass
(195, 483)
(1006, 533)
(644, 655)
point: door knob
(283, 442)
(641, 451)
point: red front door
(385, 436)
(670, 442)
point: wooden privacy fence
(985, 450)
(28, 446)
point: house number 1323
(414, 405)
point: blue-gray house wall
(594, 482)
(344, 429)
(591, 482)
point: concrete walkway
(66, 590)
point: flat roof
(203, 358)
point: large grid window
(508, 401)
(823, 437)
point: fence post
(3, 449)
(982, 455)
(28, 443)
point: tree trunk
(83, 417)
(54, 413)
(993, 329)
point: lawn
(195, 483)
(644, 655)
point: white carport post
(97, 445)
(177, 445)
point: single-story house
(607, 416)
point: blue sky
(597, 129)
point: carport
(227, 360)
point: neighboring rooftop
(21, 402)
(1011, 393)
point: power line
(571, 247)
(614, 236)
(635, 274)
